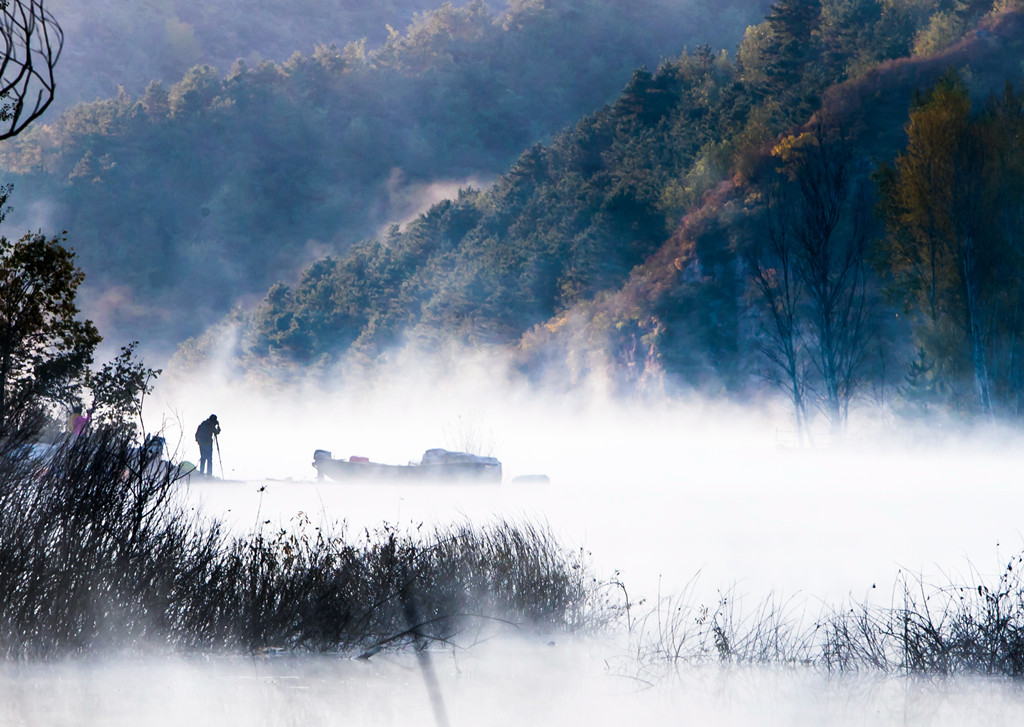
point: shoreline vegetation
(99, 555)
(925, 629)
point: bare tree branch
(809, 275)
(31, 41)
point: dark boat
(435, 465)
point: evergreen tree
(793, 77)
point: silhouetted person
(204, 436)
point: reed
(971, 627)
(98, 552)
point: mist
(358, 127)
(500, 683)
(680, 500)
(162, 43)
(675, 494)
(679, 503)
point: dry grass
(927, 630)
(98, 554)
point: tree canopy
(268, 165)
(647, 235)
(952, 206)
(45, 350)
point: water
(824, 525)
(812, 530)
(680, 499)
(509, 683)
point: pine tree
(792, 49)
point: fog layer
(497, 684)
(669, 493)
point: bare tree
(771, 261)
(32, 43)
(810, 275)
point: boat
(435, 465)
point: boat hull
(486, 470)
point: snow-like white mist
(680, 497)
(503, 684)
(664, 492)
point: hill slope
(188, 198)
(128, 43)
(619, 248)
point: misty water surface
(665, 492)
(499, 683)
(682, 500)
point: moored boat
(435, 465)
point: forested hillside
(185, 199)
(834, 210)
(128, 43)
